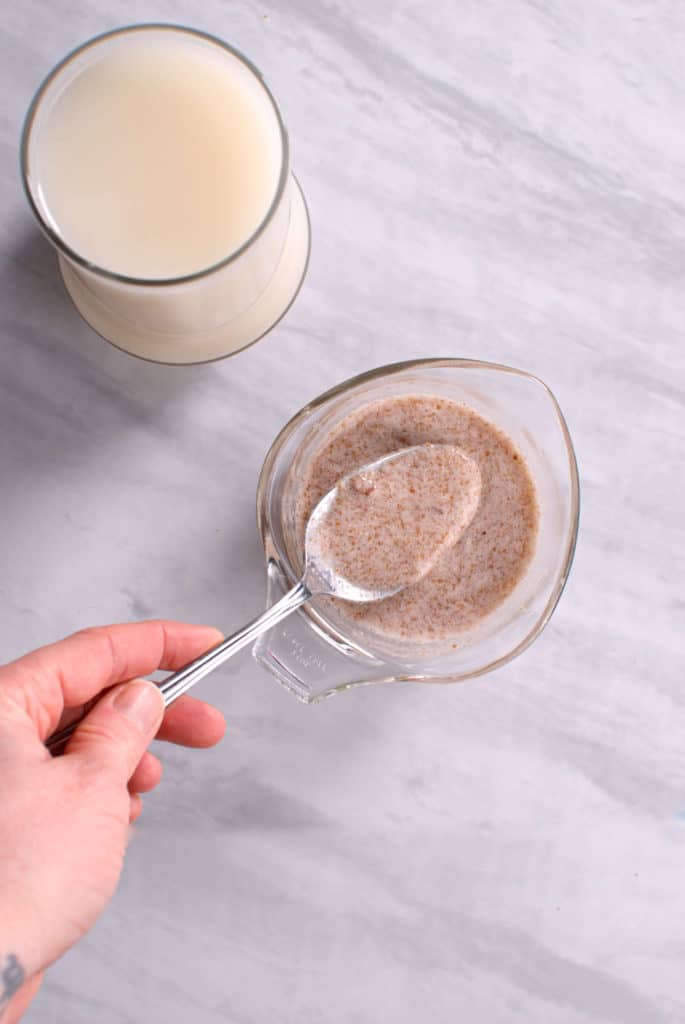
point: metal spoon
(320, 576)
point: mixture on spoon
(387, 526)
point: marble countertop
(485, 179)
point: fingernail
(141, 703)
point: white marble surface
(486, 178)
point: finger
(73, 671)
(18, 1005)
(192, 723)
(113, 737)
(136, 808)
(147, 774)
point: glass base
(219, 342)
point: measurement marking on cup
(299, 654)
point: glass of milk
(157, 162)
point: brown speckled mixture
(385, 528)
(475, 575)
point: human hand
(64, 821)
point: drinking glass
(200, 316)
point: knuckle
(104, 742)
(91, 775)
(90, 633)
(99, 641)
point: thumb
(116, 733)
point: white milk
(154, 154)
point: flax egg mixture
(479, 565)
(385, 527)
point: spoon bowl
(383, 527)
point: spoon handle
(175, 685)
(179, 682)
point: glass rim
(390, 370)
(25, 143)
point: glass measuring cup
(314, 656)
